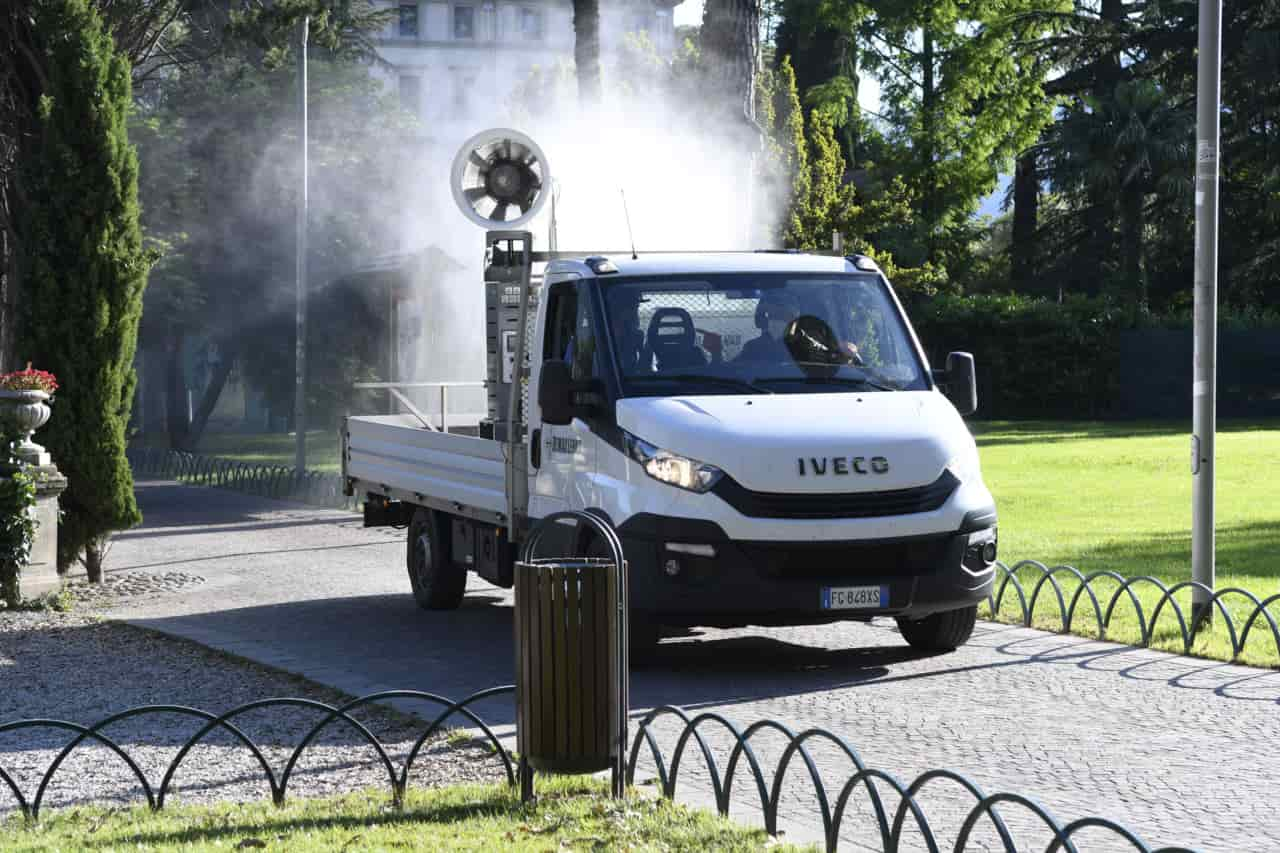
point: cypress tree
(84, 268)
(789, 120)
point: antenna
(630, 233)
(553, 234)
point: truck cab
(763, 430)
(765, 434)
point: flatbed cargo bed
(397, 457)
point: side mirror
(962, 382)
(555, 393)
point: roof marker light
(601, 266)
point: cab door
(564, 478)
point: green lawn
(1118, 496)
(264, 448)
(571, 814)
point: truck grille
(848, 561)
(836, 504)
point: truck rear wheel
(438, 583)
(939, 631)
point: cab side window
(562, 319)
(583, 356)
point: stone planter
(26, 412)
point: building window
(411, 93)
(464, 22)
(408, 20)
(530, 23)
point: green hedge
(1039, 359)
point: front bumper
(781, 583)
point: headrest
(671, 326)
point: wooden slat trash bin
(571, 658)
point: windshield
(747, 333)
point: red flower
(29, 380)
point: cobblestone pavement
(75, 668)
(1178, 749)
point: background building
(443, 57)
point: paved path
(1180, 750)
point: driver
(776, 311)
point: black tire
(438, 583)
(643, 642)
(939, 631)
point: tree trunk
(176, 423)
(1026, 209)
(928, 98)
(1132, 224)
(731, 54)
(9, 317)
(586, 50)
(94, 553)
(209, 400)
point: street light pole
(300, 266)
(1204, 387)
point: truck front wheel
(939, 631)
(438, 582)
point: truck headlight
(671, 468)
(965, 467)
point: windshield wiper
(839, 380)
(728, 381)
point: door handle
(535, 448)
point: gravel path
(76, 668)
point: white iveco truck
(763, 430)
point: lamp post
(1204, 372)
(300, 346)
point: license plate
(854, 597)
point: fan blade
(475, 194)
(500, 211)
(524, 205)
(530, 159)
(506, 149)
(479, 162)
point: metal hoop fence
(278, 785)
(281, 482)
(895, 806)
(1103, 605)
(891, 801)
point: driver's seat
(672, 341)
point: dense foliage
(17, 530)
(84, 267)
(220, 191)
(1088, 110)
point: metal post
(300, 266)
(1204, 375)
(517, 461)
(391, 347)
(444, 408)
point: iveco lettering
(763, 429)
(843, 465)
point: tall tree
(219, 192)
(1127, 148)
(730, 44)
(80, 247)
(963, 99)
(586, 49)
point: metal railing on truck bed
(396, 393)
